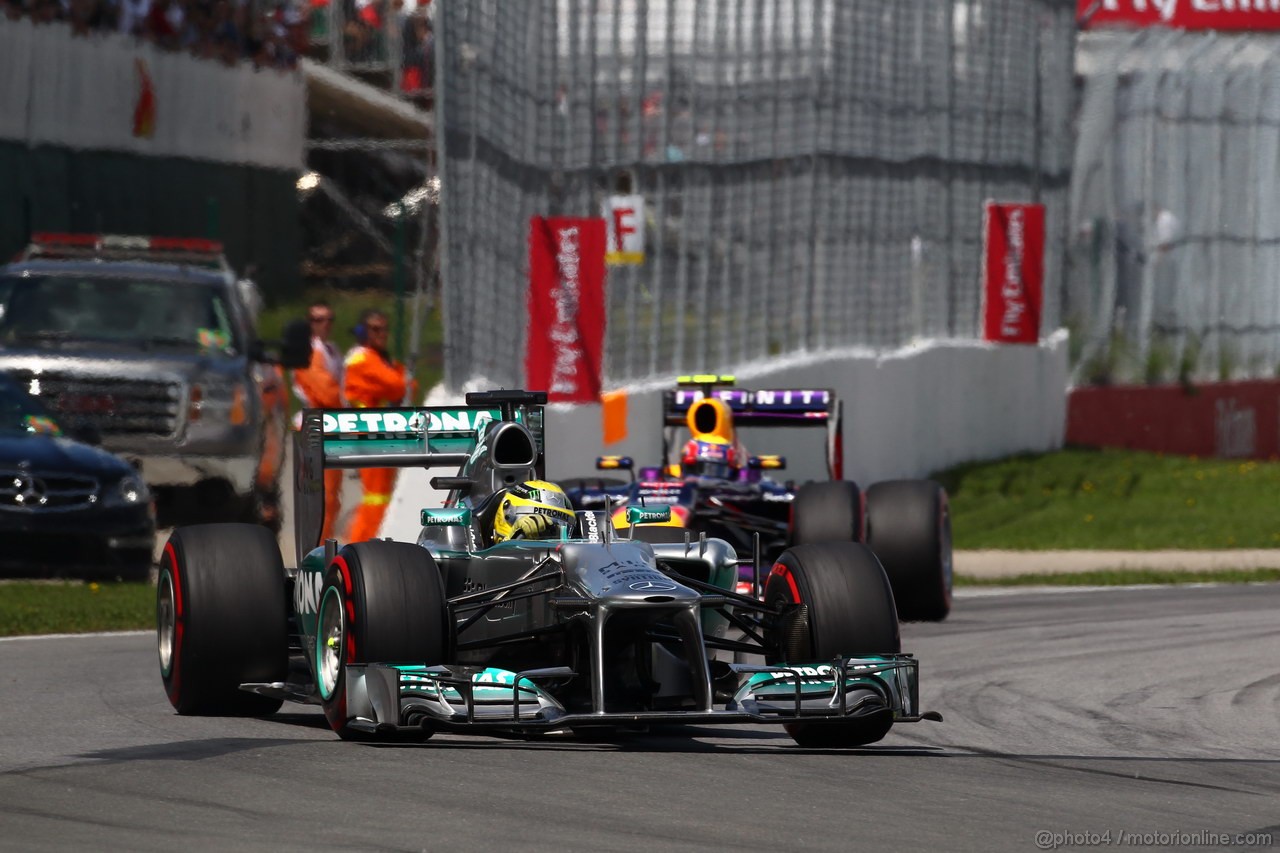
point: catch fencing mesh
(814, 171)
(1175, 239)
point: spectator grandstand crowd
(269, 33)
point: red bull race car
(714, 487)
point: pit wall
(906, 414)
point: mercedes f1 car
(713, 487)
(587, 631)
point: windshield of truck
(68, 308)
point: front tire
(834, 600)
(909, 528)
(381, 602)
(222, 619)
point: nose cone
(625, 573)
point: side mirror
(648, 514)
(617, 463)
(767, 463)
(295, 350)
(457, 517)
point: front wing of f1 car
(388, 697)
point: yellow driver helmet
(532, 510)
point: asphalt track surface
(1151, 710)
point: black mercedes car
(67, 508)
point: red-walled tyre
(381, 602)
(848, 611)
(909, 528)
(221, 619)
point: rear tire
(395, 612)
(222, 619)
(909, 528)
(848, 611)
(828, 511)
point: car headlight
(130, 491)
(219, 402)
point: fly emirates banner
(1183, 14)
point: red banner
(565, 338)
(1013, 272)
(1181, 14)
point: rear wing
(422, 437)
(781, 407)
(771, 407)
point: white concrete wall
(81, 93)
(906, 414)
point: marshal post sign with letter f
(1013, 272)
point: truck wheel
(221, 619)
(828, 511)
(381, 602)
(847, 609)
(909, 528)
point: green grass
(1113, 500)
(1126, 577)
(75, 607)
(347, 306)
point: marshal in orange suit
(372, 379)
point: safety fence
(1175, 237)
(813, 170)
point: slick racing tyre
(847, 609)
(221, 619)
(828, 511)
(381, 602)
(909, 528)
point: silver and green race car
(588, 632)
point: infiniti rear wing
(775, 407)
